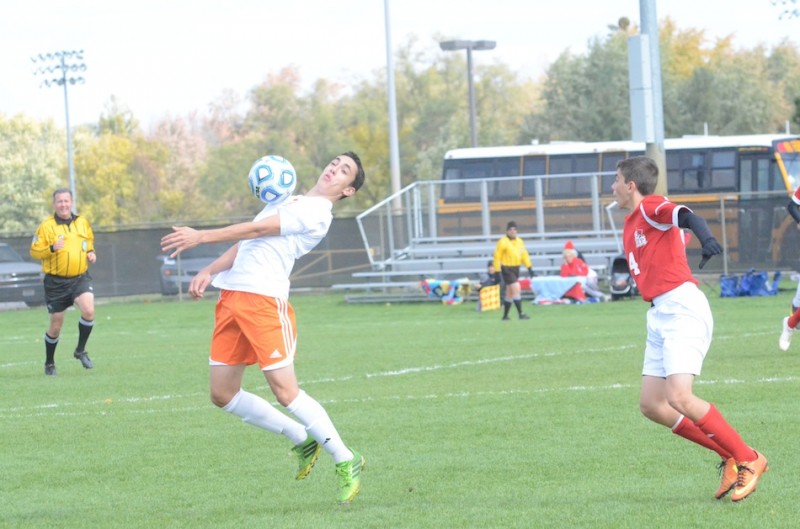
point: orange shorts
(251, 328)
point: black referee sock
(50, 344)
(84, 330)
(518, 304)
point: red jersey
(576, 268)
(796, 196)
(654, 247)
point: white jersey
(263, 265)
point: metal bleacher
(414, 235)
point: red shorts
(251, 328)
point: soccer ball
(272, 179)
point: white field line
(108, 405)
(103, 408)
(38, 362)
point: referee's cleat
(50, 370)
(524, 316)
(307, 453)
(84, 359)
(786, 335)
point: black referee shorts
(510, 274)
(60, 292)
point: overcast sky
(162, 57)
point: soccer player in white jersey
(679, 323)
(256, 324)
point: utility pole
(394, 143)
(469, 45)
(655, 146)
(63, 68)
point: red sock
(687, 429)
(722, 433)
(794, 319)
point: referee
(509, 254)
(64, 243)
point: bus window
(465, 170)
(674, 180)
(452, 191)
(723, 175)
(475, 171)
(609, 165)
(763, 180)
(756, 174)
(694, 177)
(532, 167)
(689, 172)
(560, 186)
(507, 189)
(746, 172)
(792, 164)
(585, 163)
(789, 153)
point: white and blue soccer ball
(272, 179)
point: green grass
(465, 421)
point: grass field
(465, 421)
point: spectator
(489, 278)
(574, 265)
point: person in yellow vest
(509, 254)
(64, 243)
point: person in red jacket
(573, 265)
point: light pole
(469, 45)
(62, 68)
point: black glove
(710, 248)
(530, 272)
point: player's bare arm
(184, 237)
(202, 279)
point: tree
(173, 187)
(106, 185)
(195, 168)
(585, 98)
(32, 166)
(732, 94)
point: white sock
(319, 426)
(258, 412)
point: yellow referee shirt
(511, 252)
(71, 260)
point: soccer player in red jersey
(679, 323)
(790, 322)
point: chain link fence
(129, 260)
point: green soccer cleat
(307, 453)
(349, 473)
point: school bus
(738, 183)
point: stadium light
(63, 68)
(469, 45)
